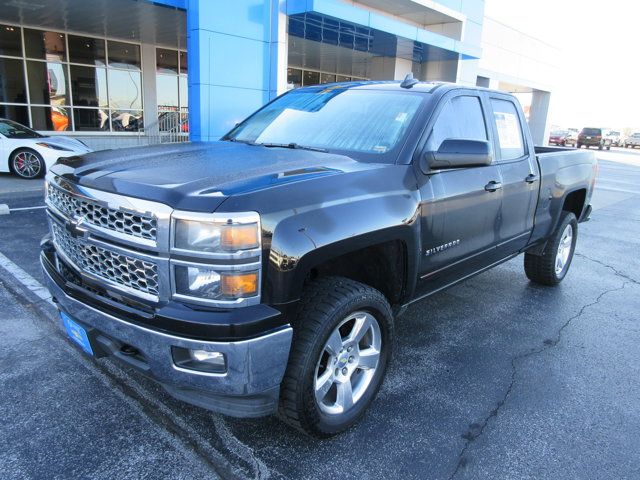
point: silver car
(632, 140)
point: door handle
(532, 177)
(492, 186)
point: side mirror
(457, 153)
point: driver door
(460, 207)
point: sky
(598, 82)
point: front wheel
(342, 341)
(27, 164)
(552, 266)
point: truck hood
(199, 176)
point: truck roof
(425, 87)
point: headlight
(207, 283)
(216, 258)
(218, 235)
(54, 147)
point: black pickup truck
(262, 273)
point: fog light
(199, 360)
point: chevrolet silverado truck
(262, 273)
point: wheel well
(575, 202)
(381, 266)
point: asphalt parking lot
(494, 378)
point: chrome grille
(136, 225)
(116, 268)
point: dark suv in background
(593, 137)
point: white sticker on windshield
(508, 130)
(401, 117)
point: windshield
(559, 133)
(14, 130)
(591, 131)
(333, 118)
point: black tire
(325, 304)
(600, 146)
(27, 163)
(578, 145)
(542, 268)
(608, 147)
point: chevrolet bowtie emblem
(74, 227)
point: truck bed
(562, 170)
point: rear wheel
(552, 266)
(342, 341)
(27, 164)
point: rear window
(509, 129)
(591, 131)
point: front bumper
(248, 388)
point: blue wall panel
(231, 53)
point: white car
(29, 154)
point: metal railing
(172, 126)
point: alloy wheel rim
(347, 363)
(564, 249)
(27, 164)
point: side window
(509, 129)
(460, 118)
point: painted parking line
(5, 210)
(25, 279)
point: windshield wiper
(293, 146)
(233, 139)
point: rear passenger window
(460, 118)
(509, 129)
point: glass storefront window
(342, 78)
(126, 120)
(44, 45)
(54, 119)
(184, 92)
(90, 119)
(172, 91)
(167, 90)
(75, 82)
(124, 55)
(125, 89)
(89, 86)
(10, 42)
(12, 85)
(310, 78)
(17, 113)
(47, 83)
(294, 77)
(327, 78)
(183, 63)
(166, 61)
(86, 50)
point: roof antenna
(409, 81)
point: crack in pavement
(477, 429)
(615, 270)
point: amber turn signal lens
(239, 237)
(239, 285)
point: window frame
(496, 138)
(447, 100)
(436, 105)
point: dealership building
(117, 73)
